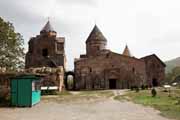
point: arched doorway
(112, 84)
(155, 82)
(113, 76)
(69, 81)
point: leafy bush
(137, 89)
(132, 88)
(48, 92)
(146, 87)
(153, 92)
(143, 87)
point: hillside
(172, 63)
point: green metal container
(25, 90)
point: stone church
(101, 68)
(46, 49)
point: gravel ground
(108, 109)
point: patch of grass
(168, 106)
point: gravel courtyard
(92, 109)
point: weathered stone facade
(46, 50)
(101, 68)
(46, 53)
(154, 70)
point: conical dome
(127, 52)
(48, 28)
(96, 35)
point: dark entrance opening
(155, 82)
(44, 52)
(112, 83)
(69, 80)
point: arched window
(90, 69)
(133, 70)
(107, 55)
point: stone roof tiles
(48, 27)
(96, 35)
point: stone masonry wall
(155, 70)
(55, 49)
(95, 72)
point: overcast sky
(147, 26)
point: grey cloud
(16, 13)
(81, 2)
(29, 24)
(23, 21)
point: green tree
(11, 47)
(172, 75)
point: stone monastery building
(99, 68)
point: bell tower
(46, 49)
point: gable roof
(96, 35)
(154, 55)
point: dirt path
(102, 110)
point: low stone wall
(5, 78)
(5, 84)
(53, 79)
(49, 77)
